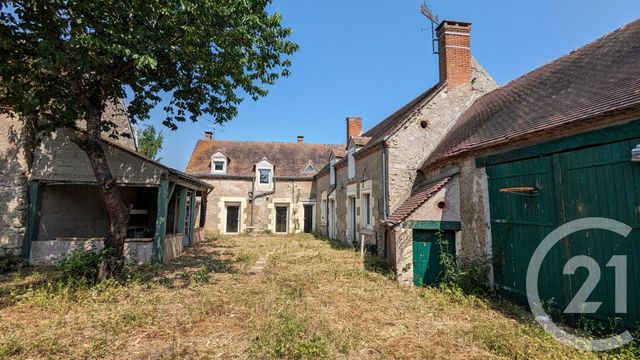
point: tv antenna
(435, 21)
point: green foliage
(81, 267)
(287, 338)
(470, 276)
(202, 275)
(67, 60)
(150, 142)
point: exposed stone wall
(474, 211)
(294, 194)
(411, 145)
(402, 235)
(14, 173)
(322, 189)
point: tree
(64, 60)
(150, 143)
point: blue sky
(369, 58)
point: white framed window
(310, 168)
(366, 208)
(351, 161)
(332, 170)
(219, 163)
(265, 176)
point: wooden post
(182, 211)
(161, 221)
(203, 208)
(33, 217)
(192, 217)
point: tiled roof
(415, 200)
(361, 140)
(600, 77)
(395, 120)
(290, 159)
(339, 153)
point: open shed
(66, 211)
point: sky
(369, 58)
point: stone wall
(294, 194)
(14, 173)
(411, 144)
(474, 211)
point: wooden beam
(33, 217)
(192, 216)
(182, 210)
(161, 221)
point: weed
(202, 275)
(11, 347)
(287, 337)
(81, 267)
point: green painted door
(596, 181)
(427, 269)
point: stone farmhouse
(51, 203)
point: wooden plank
(192, 218)
(182, 210)
(432, 225)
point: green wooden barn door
(598, 181)
(427, 269)
(601, 181)
(520, 220)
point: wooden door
(281, 219)
(233, 219)
(308, 219)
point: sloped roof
(290, 159)
(339, 153)
(361, 140)
(600, 77)
(415, 200)
(395, 120)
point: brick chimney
(208, 135)
(354, 127)
(454, 48)
(300, 139)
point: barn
(558, 144)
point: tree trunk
(118, 212)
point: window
(265, 176)
(352, 162)
(310, 168)
(366, 204)
(218, 165)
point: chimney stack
(454, 49)
(208, 135)
(354, 127)
(300, 139)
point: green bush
(81, 267)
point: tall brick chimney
(208, 135)
(454, 48)
(354, 127)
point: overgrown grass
(314, 299)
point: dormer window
(351, 160)
(219, 163)
(310, 168)
(332, 170)
(265, 176)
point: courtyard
(294, 297)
